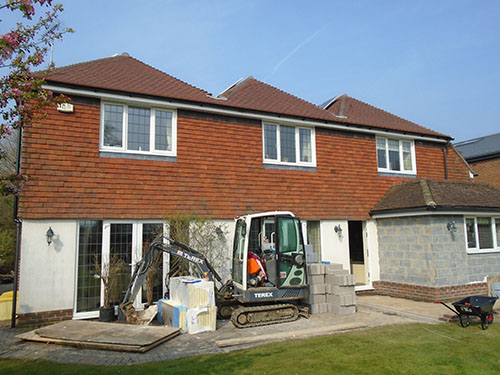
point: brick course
(426, 293)
(218, 172)
(488, 172)
(43, 317)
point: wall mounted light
(49, 234)
(338, 230)
(451, 226)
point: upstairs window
(395, 156)
(482, 234)
(289, 145)
(132, 129)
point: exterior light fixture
(451, 226)
(49, 234)
(338, 230)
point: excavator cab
(269, 258)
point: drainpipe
(445, 160)
(18, 233)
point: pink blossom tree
(22, 50)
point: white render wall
(47, 275)
(335, 249)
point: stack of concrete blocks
(192, 302)
(331, 289)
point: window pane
(88, 297)
(305, 145)
(113, 125)
(407, 156)
(484, 233)
(163, 130)
(120, 245)
(271, 151)
(152, 289)
(314, 236)
(381, 154)
(497, 225)
(394, 155)
(138, 128)
(471, 233)
(287, 143)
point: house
(137, 144)
(483, 154)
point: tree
(23, 48)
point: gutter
(439, 210)
(239, 113)
(18, 233)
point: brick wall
(429, 294)
(218, 172)
(488, 172)
(43, 317)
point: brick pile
(331, 290)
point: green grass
(399, 349)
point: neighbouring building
(483, 155)
(136, 144)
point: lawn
(399, 349)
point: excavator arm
(162, 244)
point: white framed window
(396, 155)
(289, 145)
(482, 234)
(134, 129)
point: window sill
(397, 174)
(128, 155)
(290, 167)
(483, 251)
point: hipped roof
(125, 74)
(439, 195)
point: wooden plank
(289, 335)
(108, 336)
(106, 333)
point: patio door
(125, 239)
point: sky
(436, 63)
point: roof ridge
(426, 193)
(473, 140)
(391, 114)
(123, 56)
(293, 96)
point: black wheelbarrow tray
(480, 306)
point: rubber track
(240, 310)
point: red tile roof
(433, 194)
(123, 73)
(358, 112)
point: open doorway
(357, 252)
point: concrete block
(341, 280)
(341, 310)
(336, 289)
(316, 279)
(333, 268)
(312, 258)
(314, 299)
(314, 269)
(342, 299)
(320, 308)
(317, 289)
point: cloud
(292, 52)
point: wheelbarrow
(480, 306)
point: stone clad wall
(420, 251)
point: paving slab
(187, 345)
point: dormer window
(289, 145)
(132, 129)
(396, 155)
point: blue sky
(436, 63)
